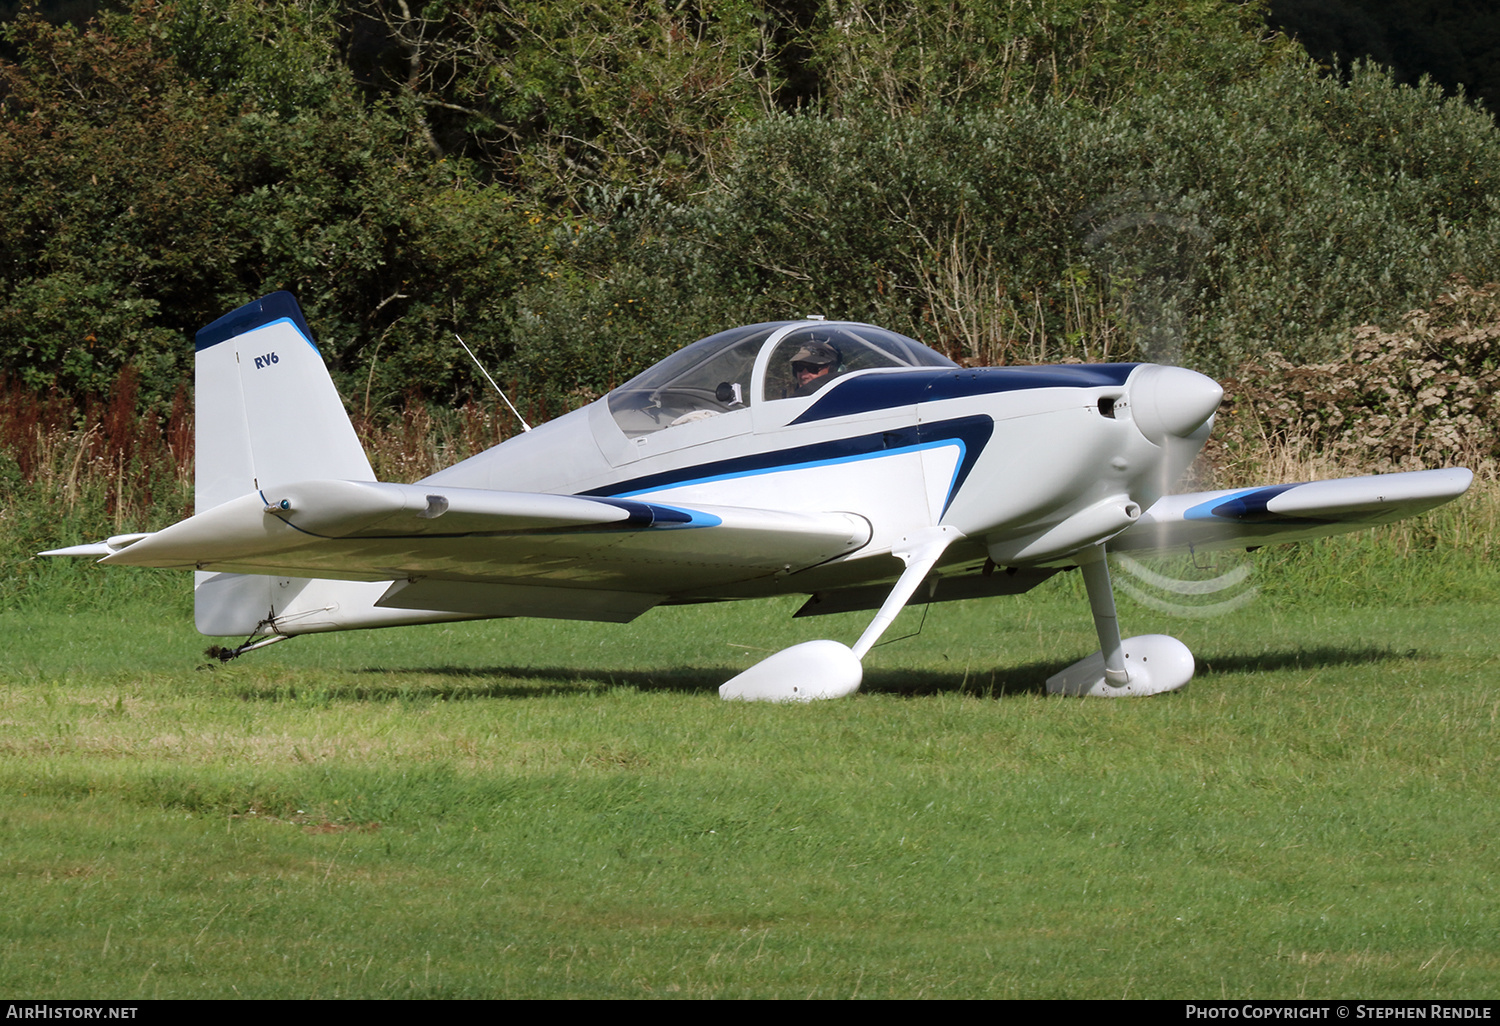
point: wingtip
(95, 549)
(1460, 474)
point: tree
(561, 96)
(978, 55)
(144, 202)
(111, 176)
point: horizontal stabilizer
(1247, 517)
(108, 547)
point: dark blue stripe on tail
(253, 315)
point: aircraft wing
(359, 530)
(1248, 517)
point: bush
(1275, 215)
(141, 205)
(1422, 395)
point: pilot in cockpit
(813, 366)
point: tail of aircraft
(267, 415)
(267, 411)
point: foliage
(580, 189)
(1332, 205)
(563, 96)
(897, 59)
(277, 56)
(111, 180)
(1276, 214)
(1423, 395)
(143, 205)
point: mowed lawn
(544, 809)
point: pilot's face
(806, 373)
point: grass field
(542, 809)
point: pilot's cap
(817, 353)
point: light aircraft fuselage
(830, 459)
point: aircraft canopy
(731, 370)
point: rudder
(267, 412)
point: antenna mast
(524, 426)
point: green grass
(530, 809)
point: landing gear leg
(829, 669)
(1144, 665)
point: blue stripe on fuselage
(970, 434)
(866, 392)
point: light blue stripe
(295, 329)
(699, 518)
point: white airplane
(829, 459)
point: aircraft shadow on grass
(470, 683)
(1321, 657)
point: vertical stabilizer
(267, 412)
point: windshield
(709, 377)
(809, 359)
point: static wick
(524, 426)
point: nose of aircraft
(1172, 402)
